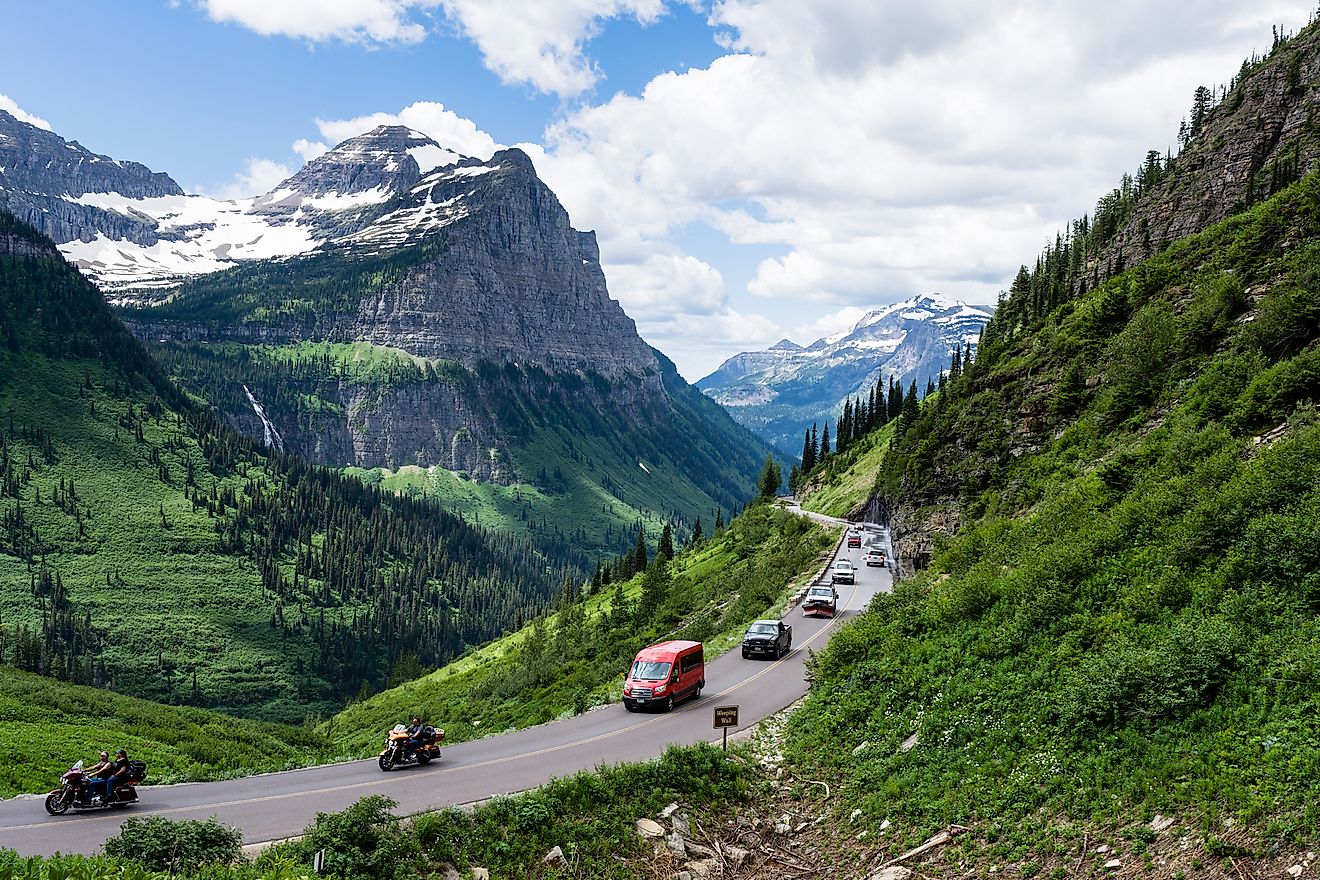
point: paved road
(279, 805)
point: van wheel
(669, 703)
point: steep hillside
(1116, 509)
(570, 660)
(147, 548)
(782, 391)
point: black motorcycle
(76, 791)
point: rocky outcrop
(516, 284)
(1265, 133)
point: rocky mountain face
(1264, 134)
(42, 176)
(396, 305)
(781, 391)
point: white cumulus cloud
(354, 21)
(10, 106)
(257, 177)
(542, 44)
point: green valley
(149, 549)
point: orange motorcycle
(399, 752)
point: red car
(854, 539)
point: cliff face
(1264, 134)
(40, 172)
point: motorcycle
(398, 753)
(75, 791)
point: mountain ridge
(781, 391)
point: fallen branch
(938, 840)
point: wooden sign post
(726, 717)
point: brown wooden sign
(726, 716)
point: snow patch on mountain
(379, 190)
(780, 391)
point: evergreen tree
(808, 453)
(719, 520)
(697, 536)
(825, 443)
(665, 550)
(895, 404)
(639, 551)
(1202, 102)
(771, 478)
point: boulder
(649, 828)
(555, 858)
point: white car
(843, 573)
(874, 556)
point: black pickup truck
(767, 638)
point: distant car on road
(854, 539)
(767, 638)
(820, 602)
(874, 556)
(843, 573)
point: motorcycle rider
(414, 740)
(117, 770)
(94, 776)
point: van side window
(690, 662)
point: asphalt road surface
(279, 805)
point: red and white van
(663, 674)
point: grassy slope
(1127, 620)
(843, 484)
(176, 611)
(714, 591)
(49, 724)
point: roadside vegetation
(47, 724)
(573, 659)
(1125, 621)
(589, 817)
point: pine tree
(770, 480)
(639, 551)
(665, 550)
(825, 443)
(808, 453)
(697, 536)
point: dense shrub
(161, 844)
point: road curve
(279, 805)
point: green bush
(161, 844)
(364, 841)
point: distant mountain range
(781, 391)
(430, 318)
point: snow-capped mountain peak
(780, 391)
(129, 228)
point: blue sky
(754, 168)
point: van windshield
(650, 670)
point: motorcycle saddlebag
(137, 770)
